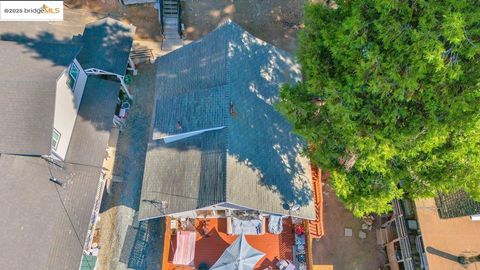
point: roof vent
(233, 113)
(178, 126)
(56, 181)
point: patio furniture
(275, 224)
(237, 226)
(299, 252)
(173, 226)
(238, 256)
(185, 251)
(362, 234)
(285, 265)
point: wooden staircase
(315, 227)
(170, 19)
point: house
(105, 52)
(219, 152)
(449, 229)
(49, 182)
(433, 233)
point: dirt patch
(144, 17)
(274, 21)
(345, 252)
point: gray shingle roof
(36, 229)
(261, 163)
(93, 123)
(195, 181)
(28, 76)
(106, 46)
(457, 204)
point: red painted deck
(209, 249)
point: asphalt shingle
(227, 79)
(44, 225)
(457, 204)
(28, 75)
(106, 46)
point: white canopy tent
(238, 256)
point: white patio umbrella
(238, 256)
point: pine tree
(390, 98)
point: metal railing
(401, 227)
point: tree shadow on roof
(106, 46)
(46, 46)
(61, 52)
(230, 78)
(274, 151)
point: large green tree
(390, 98)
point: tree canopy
(390, 98)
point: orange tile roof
(209, 249)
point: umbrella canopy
(238, 256)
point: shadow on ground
(132, 144)
(144, 16)
(126, 242)
(61, 52)
(143, 248)
(274, 21)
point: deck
(209, 249)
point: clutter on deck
(275, 224)
(212, 241)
